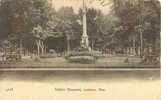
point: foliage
(135, 17)
(68, 22)
(94, 24)
(36, 20)
(81, 57)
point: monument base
(81, 55)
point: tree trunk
(20, 46)
(141, 44)
(42, 47)
(68, 43)
(92, 44)
(134, 46)
(45, 48)
(38, 47)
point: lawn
(60, 62)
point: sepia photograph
(80, 49)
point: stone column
(84, 39)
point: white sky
(76, 4)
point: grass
(60, 62)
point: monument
(84, 39)
(83, 54)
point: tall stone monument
(84, 38)
(83, 54)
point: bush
(82, 59)
(37, 59)
(80, 49)
(48, 56)
(81, 55)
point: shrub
(37, 59)
(80, 55)
(82, 59)
(48, 56)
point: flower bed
(81, 56)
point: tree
(22, 16)
(94, 18)
(17, 20)
(40, 35)
(68, 24)
(139, 21)
(42, 12)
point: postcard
(80, 50)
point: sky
(103, 5)
(77, 4)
